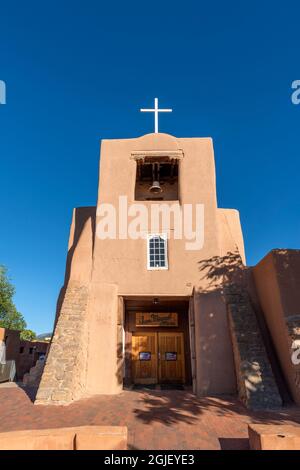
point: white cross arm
(153, 110)
(156, 110)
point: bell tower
(115, 279)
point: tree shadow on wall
(220, 271)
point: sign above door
(156, 319)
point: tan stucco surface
(214, 358)
(109, 269)
(277, 280)
(72, 438)
(124, 261)
(231, 232)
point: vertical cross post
(156, 110)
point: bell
(155, 188)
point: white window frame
(164, 236)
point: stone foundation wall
(256, 383)
(293, 326)
(63, 379)
(33, 377)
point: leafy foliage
(9, 316)
(28, 335)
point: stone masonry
(293, 325)
(256, 384)
(293, 328)
(33, 377)
(66, 362)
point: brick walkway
(155, 419)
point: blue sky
(77, 72)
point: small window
(21, 349)
(157, 252)
(31, 350)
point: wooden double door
(158, 358)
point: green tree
(9, 315)
(28, 335)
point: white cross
(156, 110)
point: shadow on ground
(182, 407)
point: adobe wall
(119, 261)
(277, 280)
(24, 360)
(70, 438)
(99, 272)
(12, 343)
(80, 246)
(214, 366)
(30, 354)
(231, 235)
(104, 372)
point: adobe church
(146, 311)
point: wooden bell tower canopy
(157, 156)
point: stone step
(256, 383)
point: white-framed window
(157, 251)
